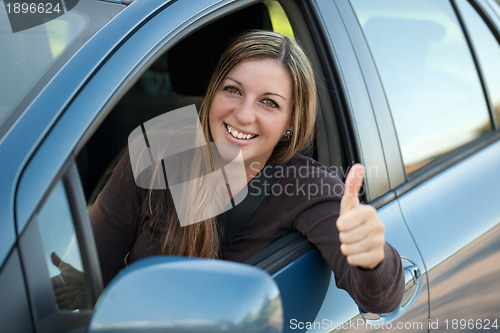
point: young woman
(262, 98)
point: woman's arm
(115, 218)
(350, 237)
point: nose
(245, 112)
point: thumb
(55, 259)
(353, 183)
(58, 262)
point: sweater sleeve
(378, 290)
(115, 218)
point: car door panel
(455, 220)
(339, 307)
(303, 285)
(15, 315)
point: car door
(434, 59)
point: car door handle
(413, 284)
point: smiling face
(252, 108)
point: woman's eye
(270, 103)
(232, 90)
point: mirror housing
(177, 294)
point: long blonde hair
(202, 239)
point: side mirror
(176, 294)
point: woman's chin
(229, 151)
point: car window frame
(490, 11)
(329, 136)
(496, 33)
(342, 67)
(45, 312)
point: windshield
(30, 57)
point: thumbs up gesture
(361, 233)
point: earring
(288, 134)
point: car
(411, 89)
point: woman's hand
(361, 233)
(69, 286)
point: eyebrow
(265, 94)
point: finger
(63, 294)
(364, 245)
(61, 264)
(57, 281)
(353, 236)
(356, 217)
(65, 302)
(353, 183)
(355, 248)
(368, 260)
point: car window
(487, 52)
(62, 252)
(428, 73)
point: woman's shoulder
(307, 179)
(308, 169)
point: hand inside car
(69, 286)
(361, 232)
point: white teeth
(239, 135)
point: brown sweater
(305, 197)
